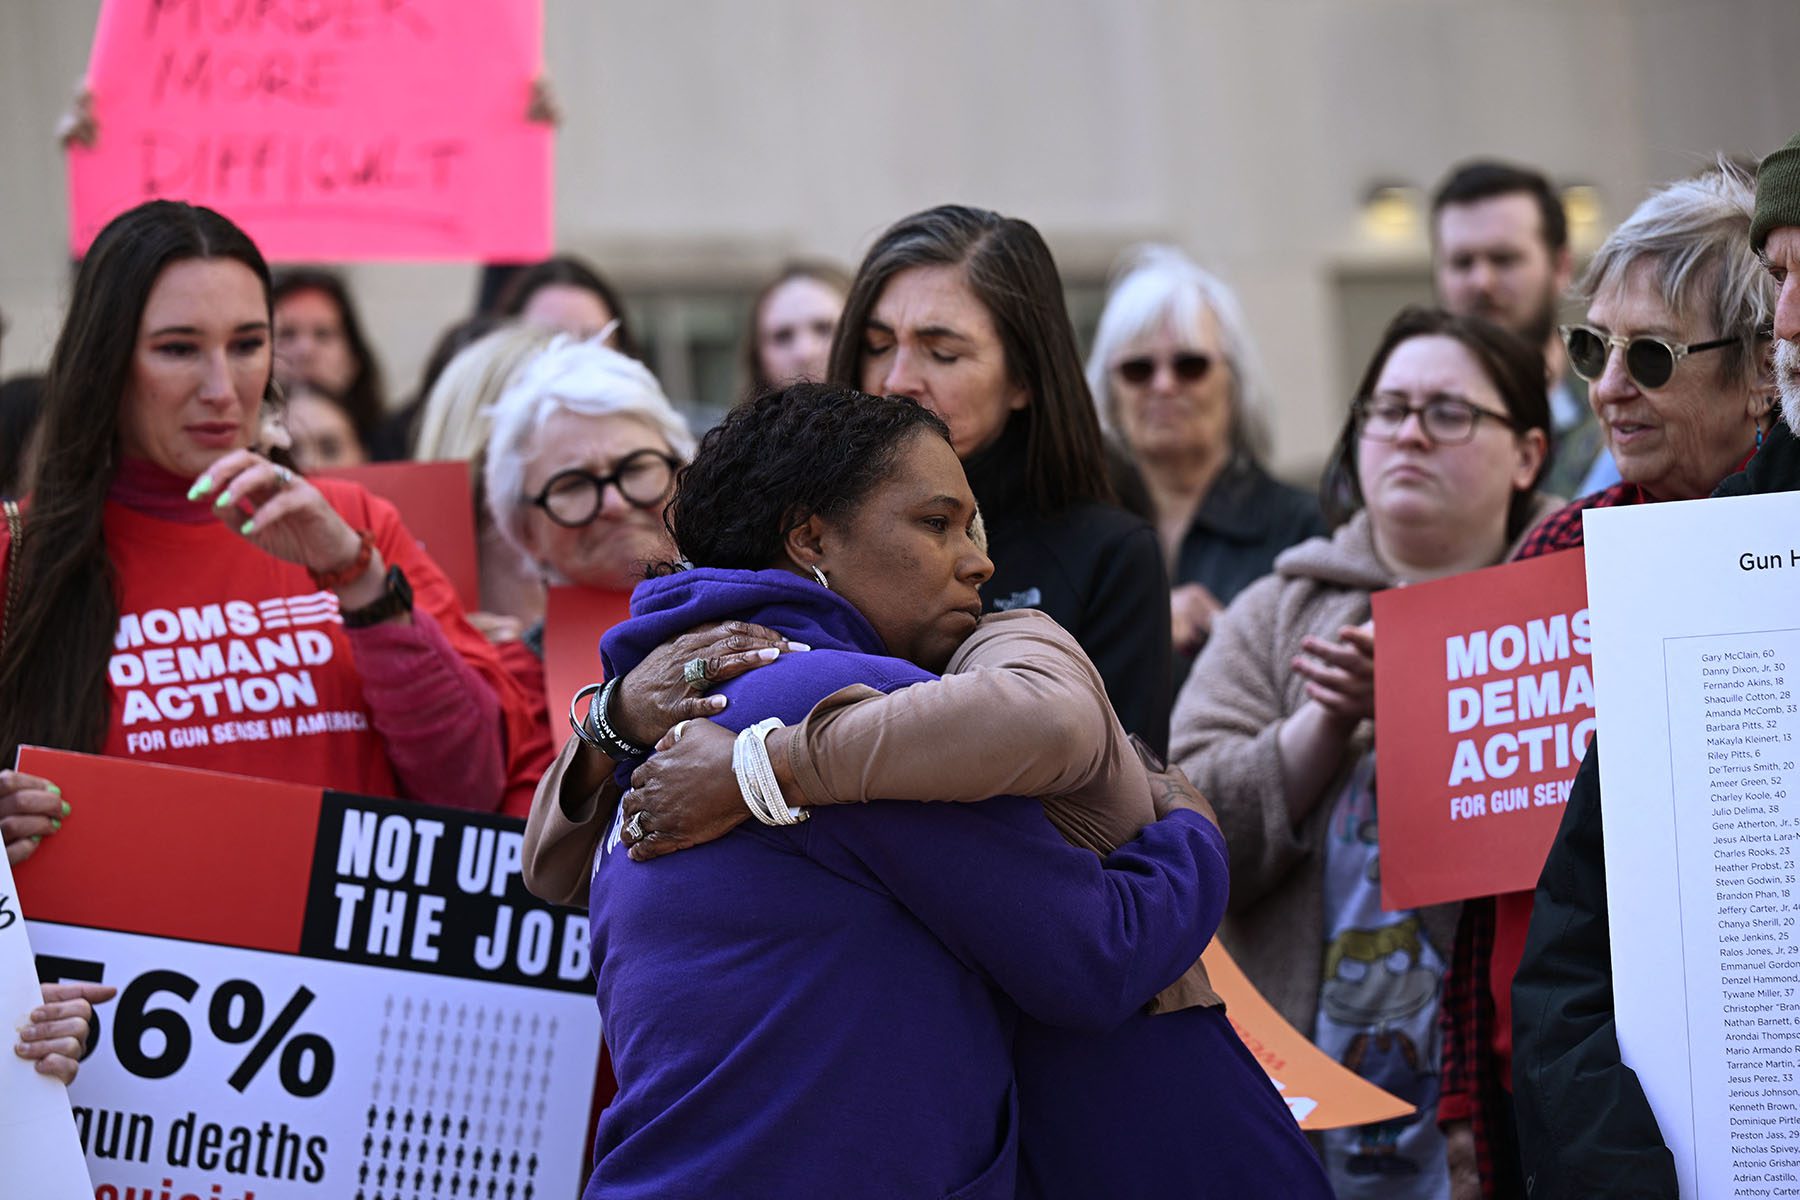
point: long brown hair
(1009, 269)
(53, 689)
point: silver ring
(283, 476)
(676, 731)
(635, 826)
(693, 673)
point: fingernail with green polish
(37, 839)
(55, 824)
(202, 485)
(224, 499)
(65, 808)
(248, 526)
(54, 790)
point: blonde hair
(457, 417)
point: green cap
(1777, 193)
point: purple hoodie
(827, 1009)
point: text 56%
(235, 1015)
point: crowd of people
(912, 631)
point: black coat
(1585, 1127)
(1095, 569)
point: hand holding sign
(38, 1142)
(56, 1035)
(31, 809)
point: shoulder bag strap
(15, 529)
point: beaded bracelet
(327, 581)
(597, 731)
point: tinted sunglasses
(1189, 367)
(1650, 361)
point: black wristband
(397, 598)
(596, 730)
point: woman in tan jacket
(1436, 469)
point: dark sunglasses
(1649, 360)
(1189, 367)
(574, 497)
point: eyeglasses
(1189, 367)
(1447, 420)
(573, 498)
(1650, 361)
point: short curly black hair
(787, 455)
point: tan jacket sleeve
(564, 829)
(1020, 711)
(1223, 735)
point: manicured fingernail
(55, 824)
(248, 526)
(54, 791)
(768, 654)
(202, 485)
(35, 840)
(65, 808)
(224, 499)
(798, 646)
(716, 703)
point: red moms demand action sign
(1484, 705)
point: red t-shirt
(227, 658)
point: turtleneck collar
(997, 474)
(144, 487)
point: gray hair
(1693, 236)
(1156, 285)
(582, 377)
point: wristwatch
(397, 599)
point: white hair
(1157, 285)
(1787, 380)
(582, 377)
(1693, 236)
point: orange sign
(574, 619)
(1484, 705)
(438, 506)
(1320, 1091)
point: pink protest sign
(328, 129)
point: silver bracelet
(756, 777)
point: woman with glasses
(1437, 468)
(1674, 359)
(580, 462)
(1176, 379)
